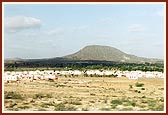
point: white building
(10, 78)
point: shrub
(161, 99)
(84, 109)
(92, 94)
(127, 109)
(159, 108)
(70, 108)
(24, 107)
(116, 102)
(32, 101)
(105, 101)
(137, 91)
(62, 107)
(160, 88)
(12, 105)
(129, 102)
(142, 88)
(51, 80)
(49, 96)
(12, 95)
(41, 109)
(59, 107)
(105, 109)
(130, 86)
(139, 84)
(46, 105)
(39, 96)
(92, 101)
(73, 102)
(25, 103)
(60, 85)
(132, 103)
(143, 96)
(152, 102)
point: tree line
(83, 65)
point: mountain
(90, 54)
(107, 53)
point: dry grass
(86, 94)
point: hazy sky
(52, 30)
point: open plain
(85, 94)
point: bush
(51, 80)
(105, 109)
(62, 107)
(12, 105)
(130, 86)
(116, 102)
(12, 95)
(129, 102)
(84, 109)
(38, 96)
(139, 84)
(24, 107)
(92, 94)
(132, 103)
(161, 99)
(60, 85)
(159, 108)
(59, 107)
(137, 91)
(41, 95)
(46, 105)
(127, 109)
(49, 96)
(142, 88)
(143, 96)
(73, 102)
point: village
(10, 76)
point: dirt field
(86, 94)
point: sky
(55, 30)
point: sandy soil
(86, 94)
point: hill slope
(106, 53)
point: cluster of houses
(128, 74)
(53, 75)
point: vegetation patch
(39, 96)
(137, 91)
(60, 85)
(116, 102)
(24, 107)
(11, 105)
(92, 94)
(143, 96)
(73, 102)
(84, 109)
(127, 109)
(131, 103)
(46, 105)
(62, 107)
(130, 86)
(137, 84)
(12, 95)
(105, 109)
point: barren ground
(85, 94)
